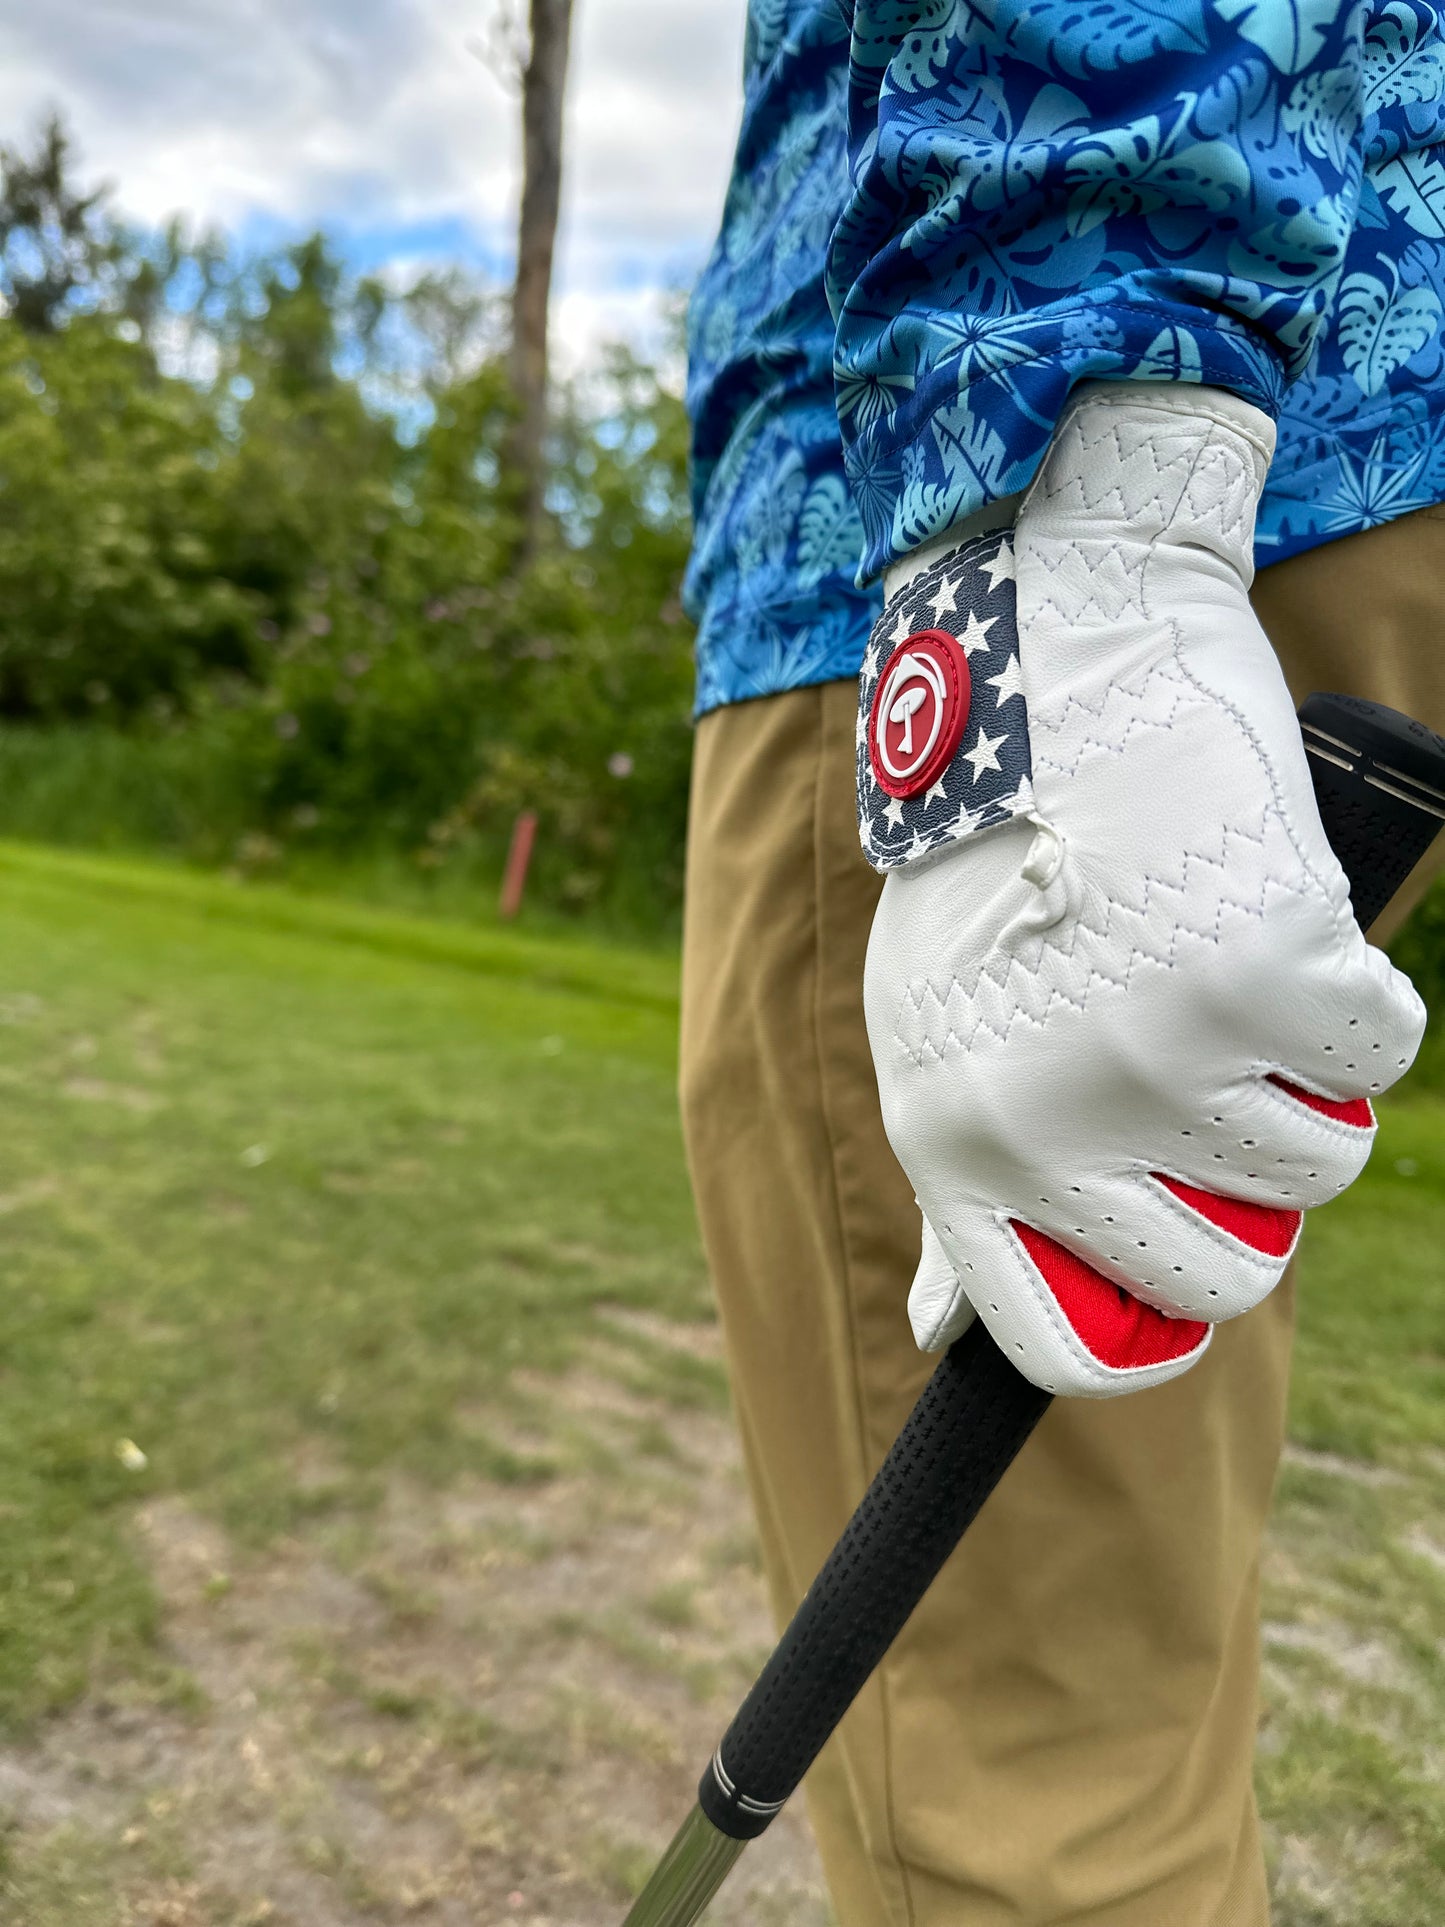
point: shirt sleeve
(1045, 192)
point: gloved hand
(1125, 1026)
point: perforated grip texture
(1380, 781)
(974, 1414)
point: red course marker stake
(519, 856)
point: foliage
(1420, 951)
(54, 240)
(257, 523)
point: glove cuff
(942, 739)
(1134, 468)
(1154, 462)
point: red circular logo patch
(919, 710)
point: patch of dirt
(1424, 1547)
(1368, 1661)
(36, 1192)
(700, 1340)
(95, 1090)
(480, 1705)
(1358, 1471)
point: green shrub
(275, 613)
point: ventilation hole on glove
(1219, 1157)
(1049, 1388)
(1213, 1293)
(1349, 1067)
(1374, 1047)
(1077, 1189)
(1354, 1023)
(1186, 1134)
(1141, 1244)
(1108, 1220)
(1251, 1174)
(1375, 1086)
(1219, 1120)
(993, 1307)
(1178, 1267)
(1329, 1050)
(1018, 1348)
(1248, 1143)
(1314, 1174)
(968, 1264)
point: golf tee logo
(919, 713)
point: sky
(377, 120)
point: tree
(544, 81)
(55, 242)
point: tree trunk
(543, 88)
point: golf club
(1380, 783)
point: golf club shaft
(1380, 784)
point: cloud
(373, 118)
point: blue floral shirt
(944, 214)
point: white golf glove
(1125, 1025)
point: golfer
(1068, 392)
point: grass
(182, 797)
(365, 1478)
(292, 1177)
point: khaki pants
(1064, 1731)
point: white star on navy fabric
(1000, 568)
(1009, 682)
(942, 602)
(975, 634)
(970, 595)
(984, 754)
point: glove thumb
(938, 1307)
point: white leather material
(1062, 1008)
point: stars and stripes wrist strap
(943, 741)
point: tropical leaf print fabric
(945, 214)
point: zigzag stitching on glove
(1106, 746)
(1335, 891)
(1086, 928)
(1164, 670)
(1170, 445)
(1090, 605)
(1191, 450)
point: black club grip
(1380, 782)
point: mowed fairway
(374, 1548)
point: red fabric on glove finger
(1121, 1331)
(1344, 1110)
(1260, 1226)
